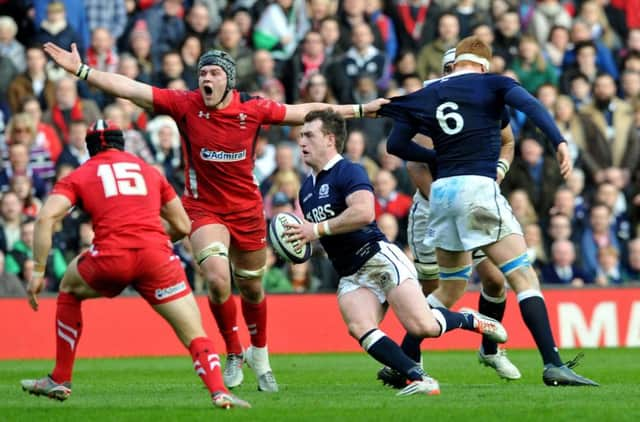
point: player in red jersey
(219, 126)
(125, 198)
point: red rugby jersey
(218, 146)
(123, 195)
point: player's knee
(427, 272)
(357, 329)
(213, 249)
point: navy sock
(494, 310)
(387, 352)
(453, 320)
(411, 347)
(534, 314)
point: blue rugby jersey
(462, 113)
(325, 196)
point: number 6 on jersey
(444, 117)
(122, 179)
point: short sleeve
(68, 188)
(354, 178)
(271, 112)
(168, 101)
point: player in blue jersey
(461, 114)
(492, 301)
(338, 204)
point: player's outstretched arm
(178, 224)
(296, 113)
(401, 144)
(53, 210)
(111, 83)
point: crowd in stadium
(581, 59)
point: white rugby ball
(289, 251)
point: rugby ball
(289, 251)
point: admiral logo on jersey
(224, 156)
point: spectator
(190, 51)
(555, 48)
(215, 9)
(631, 271)
(57, 30)
(563, 269)
(229, 39)
(280, 28)
(275, 279)
(330, 32)
(265, 161)
(134, 142)
(609, 271)
(580, 33)
(128, 66)
(286, 159)
(165, 139)
(388, 225)
(406, 64)
(173, 68)
(388, 199)
(166, 27)
(263, 69)
(102, 54)
(614, 140)
(630, 86)
(317, 90)
(197, 23)
(593, 15)
(32, 82)
(534, 172)
(430, 56)
(484, 32)
(609, 194)
(286, 182)
(68, 106)
(75, 14)
(75, 152)
(308, 61)
(10, 285)
(530, 66)
(140, 46)
(9, 46)
(46, 136)
(384, 24)
(362, 59)
(352, 13)
(242, 16)
(111, 16)
(507, 35)
(11, 217)
(470, 16)
(22, 130)
(599, 234)
(354, 151)
(18, 164)
(564, 202)
(392, 164)
(580, 90)
(134, 116)
(559, 228)
(415, 21)
(23, 187)
(319, 10)
(547, 15)
(522, 207)
(586, 64)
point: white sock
(260, 360)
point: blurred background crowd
(581, 59)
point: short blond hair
(473, 46)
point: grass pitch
(330, 388)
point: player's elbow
(367, 215)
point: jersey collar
(327, 166)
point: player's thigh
(183, 315)
(412, 311)
(361, 311)
(72, 282)
(210, 244)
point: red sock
(68, 330)
(206, 363)
(255, 314)
(226, 316)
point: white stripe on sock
(526, 294)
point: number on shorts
(445, 118)
(122, 179)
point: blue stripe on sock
(462, 274)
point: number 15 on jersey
(122, 179)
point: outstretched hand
(68, 60)
(564, 160)
(371, 108)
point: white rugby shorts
(383, 272)
(468, 212)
